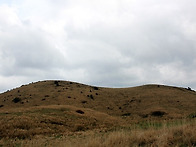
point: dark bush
(158, 113)
(1, 106)
(126, 114)
(56, 83)
(95, 88)
(16, 100)
(91, 96)
(190, 89)
(80, 111)
(84, 102)
(69, 97)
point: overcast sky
(113, 43)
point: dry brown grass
(138, 102)
(183, 135)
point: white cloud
(106, 43)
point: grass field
(178, 133)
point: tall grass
(167, 135)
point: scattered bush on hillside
(144, 115)
(80, 111)
(95, 88)
(158, 113)
(90, 96)
(56, 83)
(84, 102)
(126, 114)
(190, 89)
(16, 100)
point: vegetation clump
(80, 111)
(56, 83)
(126, 114)
(158, 113)
(193, 115)
(16, 100)
(95, 88)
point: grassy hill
(61, 108)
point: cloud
(105, 43)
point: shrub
(126, 114)
(80, 111)
(16, 100)
(95, 88)
(91, 96)
(158, 113)
(56, 83)
(84, 102)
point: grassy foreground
(167, 134)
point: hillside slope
(135, 102)
(62, 107)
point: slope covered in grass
(53, 109)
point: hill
(64, 107)
(134, 102)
